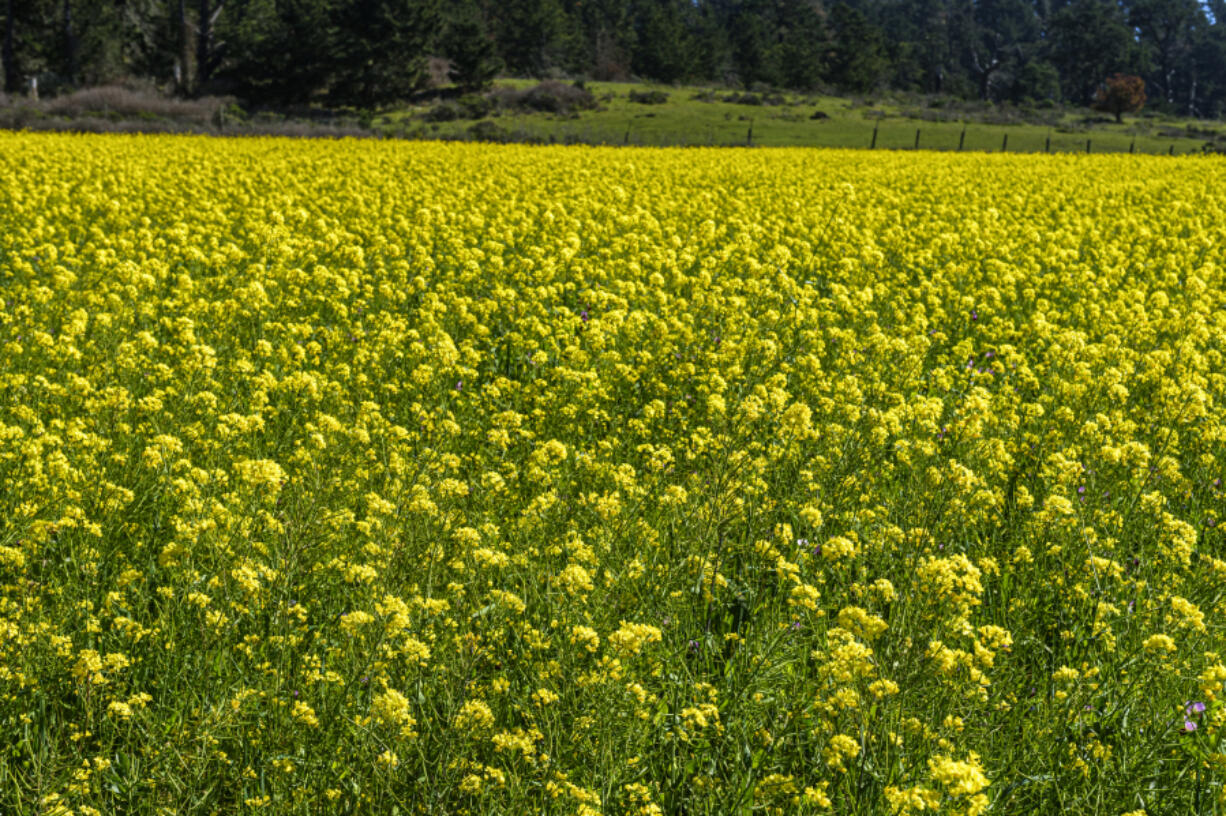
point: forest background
(377, 53)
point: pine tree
(528, 34)
(469, 46)
(280, 50)
(665, 43)
(755, 49)
(1089, 40)
(858, 61)
(380, 49)
(803, 42)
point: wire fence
(896, 136)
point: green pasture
(687, 118)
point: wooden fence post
(917, 132)
(962, 138)
(873, 146)
(1004, 145)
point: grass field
(686, 120)
(421, 478)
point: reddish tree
(1120, 94)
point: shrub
(755, 99)
(116, 100)
(550, 96)
(1195, 132)
(20, 116)
(743, 99)
(443, 112)
(487, 131)
(649, 97)
(470, 106)
(475, 106)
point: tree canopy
(369, 53)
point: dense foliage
(381, 477)
(370, 52)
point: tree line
(368, 53)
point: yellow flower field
(407, 478)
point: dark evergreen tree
(470, 48)
(281, 50)
(857, 61)
(528, 34)
(753, 33)
(925, 47)
(664, 40)
(380, 49)
(1207, 83)
(1089, 41)
(802, 43)
(1036, 81)
(31, 28)
(714, 46)
(1165, 30)
(8, 50)
(997, 35)
(599, 38)
(148, 39)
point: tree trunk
(70, 44)
(207, 49)
(183, 63)
(12, 82)
(185, 79)
(984, 73)
(204, 35)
